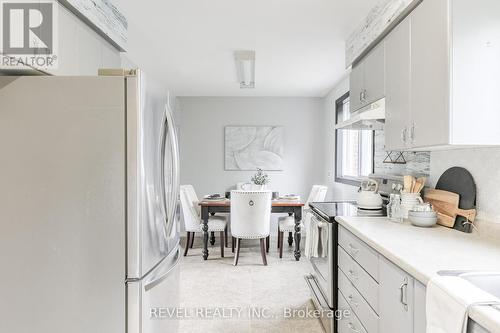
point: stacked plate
(292, 197)
(422, 219)
(213, 197)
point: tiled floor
(271, 292)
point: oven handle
(308, 279)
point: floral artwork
(254, 147)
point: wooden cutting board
(446, 205)
(459, 180)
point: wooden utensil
(420, 184)
(413, 183)
(407, 182)
(446, 204)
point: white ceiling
(189, 44)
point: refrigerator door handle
(169, 132)
(163, 192)
(174, 260)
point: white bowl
(415, 213)
(425, 222)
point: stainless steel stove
(323, 279)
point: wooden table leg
(204, 219)
(212, 238)
(298, 217)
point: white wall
(202, 121)
(81, 50)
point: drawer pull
(351, 301)
(353, 274)
(352, 327)
(354, 250)
(404, 294)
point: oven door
(325, 268)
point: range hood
(370, 117)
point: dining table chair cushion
(215, 223)
(287, 224)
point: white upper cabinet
(452, 75)
(429, 75)
(375, 75)
(357, 82)
(475, 69)
(367, 79)
(397, 76)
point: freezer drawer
(157, 290)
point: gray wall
(201, 135)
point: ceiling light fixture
(245, 68)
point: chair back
(250, 214)
(317, 194)
(189, 206)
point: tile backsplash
(417, 163)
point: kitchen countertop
(423, 252)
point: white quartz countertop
(423, 252)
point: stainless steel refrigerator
(89, 235)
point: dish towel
(323, 235)
(448, 301)
(312, 236)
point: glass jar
(396, 214)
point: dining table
(279, 206)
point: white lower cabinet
(419, 322)
(350, 323)
(394, 303)
(396, 298)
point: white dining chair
(251, 218)
(287, 223)
(192, 219)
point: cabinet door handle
(412, 133)
(404, 294)
(361, 96)
(352, 327)
(354, 250)
(352, 301)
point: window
(354, 148)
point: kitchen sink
(487, 281)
